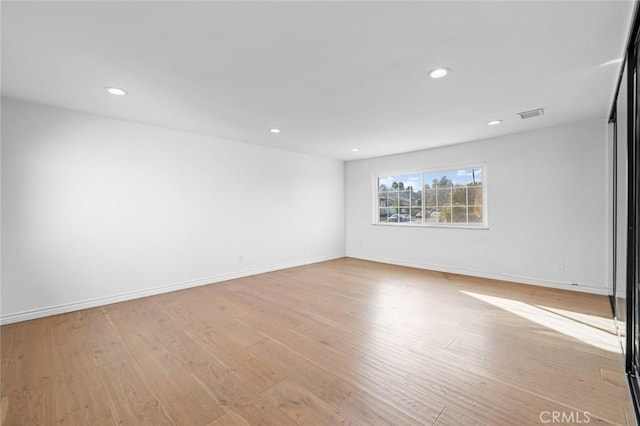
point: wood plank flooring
(345, 342)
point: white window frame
(422, 172)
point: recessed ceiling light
(494, 122)
(274, 130)
(438, 72)
(355, 149)
(115, 91)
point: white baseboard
(106, 300)
(481, 274)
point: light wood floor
(339, 342)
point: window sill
(426, 225)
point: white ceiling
(332, 75)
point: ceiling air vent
(530, 114)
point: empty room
(320, 213)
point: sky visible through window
(413, 180)
(458, 177)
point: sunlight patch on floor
(604, 324)
(595, 331)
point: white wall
(547, 195)
(97, 210)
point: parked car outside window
(399, 218)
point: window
(453, 197)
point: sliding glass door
(624, 133)
(633, 246)
(627, 134)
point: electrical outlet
(561, 266)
